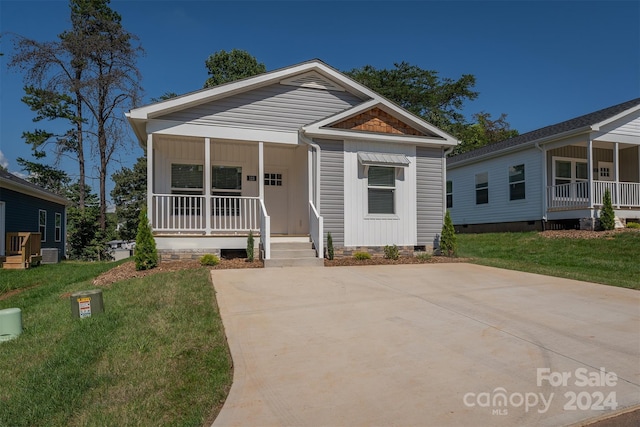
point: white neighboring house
(554, 177)
(299, 151)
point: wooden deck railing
(25, 244)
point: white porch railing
(630, 194)
(576, 195)
(565, 196)
(316, 230)
(265, 231)
(188, 213)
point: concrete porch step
(293, 254)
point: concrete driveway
(425, 345)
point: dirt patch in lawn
(128, 269)
(585, 234)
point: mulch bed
(350, 261)
(128, 269)
(585, 234)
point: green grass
(156, 356)
(611, 261)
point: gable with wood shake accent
(291, 154)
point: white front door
(2, 235)
(276, 199)
(605, 171)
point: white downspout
(544, 183)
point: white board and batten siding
(429, 190)
(275, 107)
(362, 229)
(500, 208)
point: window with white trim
(58, 225)
(226, 181)
(381, 187)
(42, 225)
(449, 194)
(482, 188)
(187, 180)
(516, 182)
(570, 171)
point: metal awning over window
(383, 159)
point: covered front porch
(208, 194)
(578, 175)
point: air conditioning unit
(49, 255)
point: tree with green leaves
(129, 194)
(607, 214)
(423, 92)
(87, 76)
(448, 243)
(224, 67)
(483, 131)
(145, 254)
(48, 177)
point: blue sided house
(32, 223)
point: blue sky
(540, 62)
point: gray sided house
(554, 177)
(26, 208)
(291, 154)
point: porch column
(261, 170)
(207, 185)
(150, 179)
(616, 168)
(590, 173)
(311, 190)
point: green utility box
(10, 323)
(86, 303)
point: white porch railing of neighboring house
(188, 213)
(265, 231)
(576, 195)
(316, 229)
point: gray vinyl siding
(575, 152)
(332, 189)
(22, 214)
(500, 208)
(430, 192)
(275, 107)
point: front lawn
(613, 260)
(156, 356)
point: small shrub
(391, 252)
(424, 256)
(146, 254)
(209, 260)
(361, 256)
(329, 246)
(607, 215)
(635, 225)
(448, 244)
(250, 243)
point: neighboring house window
(226, 181)
(449, 194)
(516, 182)
(187, 180)
(381, 189)
(482, 188)
(58, 227)
(570, 171)
(42, 225)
